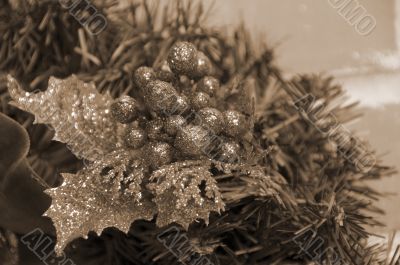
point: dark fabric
(14, 144)
(22, 200)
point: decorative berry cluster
(179, 115)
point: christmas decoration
(113, 181)
(91, 129)
(210, 119)
(160, 97)
(202, 66)
(181, 105)
(154, 129)
(174, 126)
(159, 154)
(200, 100)
(189, 188)
(144, 75)
(124, 110)
(182, 58)
(236, 124)
(107, 193)
(230, 152)
(191, 140)
(135, 137)
(209, 85)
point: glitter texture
(77, 112)
(135, 137)
(164, 73)
(128, 174)
(143, 76)
(158, 154)
(154, 130)
(210, 119)
(202, 66)
(192, 140)
(173, 123)
(230, 152)
(124, 109)
(105, 194)
(235, 123)
(181, 105)
(209, 85)
(189, 189)
(200, 100)
(160, 97)
(182, 58)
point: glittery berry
(158, 154)
(144, 75)
(160, 96)
(124, 109)
(135, 137)
(164, 73)
(202, 66)
(165, 76)
(210, 119)
(181, 105)
(230, 152)
(200, 100)
(182, 58)
(173, 123)
(209, 85)
(236, 124)
(192, 140)
(154, 129)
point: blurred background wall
(313, 36)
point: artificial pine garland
(162, 82)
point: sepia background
(312, 36)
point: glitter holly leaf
(184, 192)
(107, 193)
(77, 112)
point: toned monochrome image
(199, 132)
